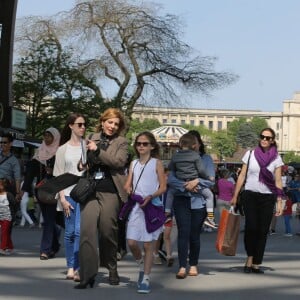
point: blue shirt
(10, 168)
(178, 185)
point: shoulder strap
(6, 158)
(140, 174)
(247, 166)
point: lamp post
(7, 27)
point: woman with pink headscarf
(41, 167)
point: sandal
(76, 277)
(44, 256)
(193, 271)
(181, 273)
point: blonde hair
(109, 114)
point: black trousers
(258, 210)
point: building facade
(286, 123)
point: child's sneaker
(210, 223)
(140, 279)
(144, 287)
(3, 252)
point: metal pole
(7, 27)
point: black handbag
(47, 189)
(84, 188)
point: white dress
(147, 185)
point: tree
(223, 144)
(134, 53)
(48, 86)
(246, 136)
(258, 124)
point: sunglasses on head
(265, 137)
(144, 144)
(80, 124)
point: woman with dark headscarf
(263, 188)
(40, 167)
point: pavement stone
(24, 276)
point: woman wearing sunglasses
(263, 189)
(68, 155)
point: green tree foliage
(258, 124)
(48, 86)
(246, 136)
(234, 126)
(136, 127)
(291, 156)
(223, 144)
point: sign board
(18, 119)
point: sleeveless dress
(147, 185)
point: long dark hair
(66, 132)
(155, 151)
(273, 136)
(197, 135)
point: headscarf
(45, 152)
(264, 158)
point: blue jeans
(287, 223)
(72, 235)
(189, 223)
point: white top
(4, 208)
(148, 183)
(252, 181)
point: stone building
(286, 123)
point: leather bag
(228, 233)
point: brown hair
(187, 140)
(109, 114)
(149, 135)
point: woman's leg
(69, 237)
(198, 217)
(182, 212)
(108, 228)
(49, 213)
(88, 248)
(23, 206)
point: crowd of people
(186, 191)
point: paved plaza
(24, 276)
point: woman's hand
(67, 207)
(146, 201)
(192, 185)
(279, 208)
(91, 145)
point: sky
(258, 40)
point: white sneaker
(3, 252)
(288, 234)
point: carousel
(168, 137)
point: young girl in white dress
(146, 178)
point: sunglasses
(80, 124)
(144, 144)
(267, 138)
(5, 143)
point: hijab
(45, 152)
